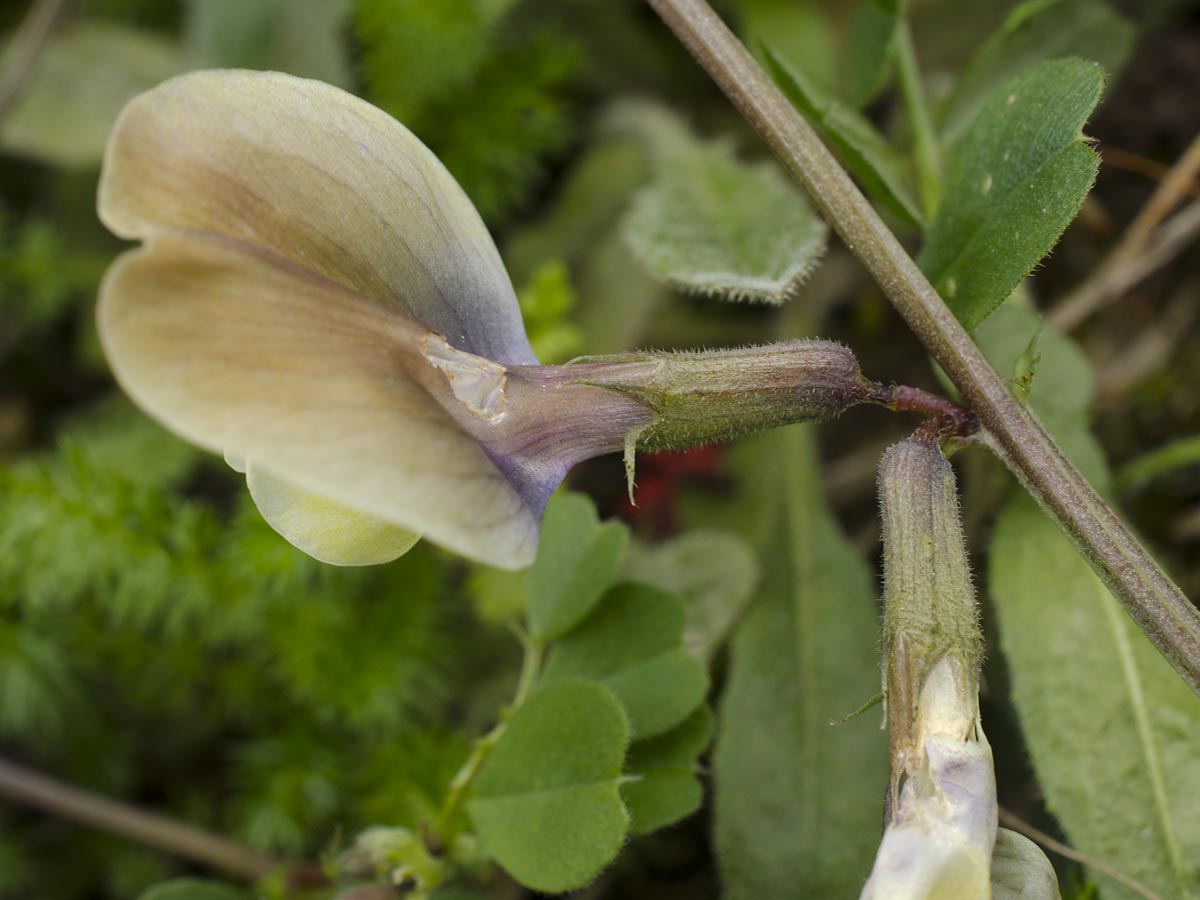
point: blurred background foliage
(161, 645)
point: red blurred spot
(662, 476)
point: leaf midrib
(541, 793)
(798, 455)
(1145, 732)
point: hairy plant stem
(531, 665)
(1149, 596)
(925, 142)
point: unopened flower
(942, 812)
(316, 298)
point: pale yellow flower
(317, 299)
(303, 256)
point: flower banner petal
(324, 180)
(327, 531)
(243, 352)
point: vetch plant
(317, 299)
(314, 298)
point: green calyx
(929, 608)
(710, 396)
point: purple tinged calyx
(536, 422)
(708, 396)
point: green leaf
(498, 595)
(1062, 386)
(1035, 31)
(547, 803)
(869, 156)
(801, 33)
(666, 788)
(1020, 870)
(714, 573)
(1179, 454)
(576, 562)
(83, 78)
(192, 889)
(869, 55)
(631, 644)
(1017, 179)
(798, 800)
(616, 297)
(1110, 727)
(301, 37)
(711, 225)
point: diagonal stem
(1160, 609)
(152, 829)
(531, 667)
(23, 51)
(1016, 823)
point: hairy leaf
(1017, 179)
(1110, 727)
(869, 156)
(631, 644)
(713, 572)
(712, 225)
(83, 78)
(798, 800)
(547, 803)
(576, 562)
(1035, 31)
(1059, 388)
(665, 785)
